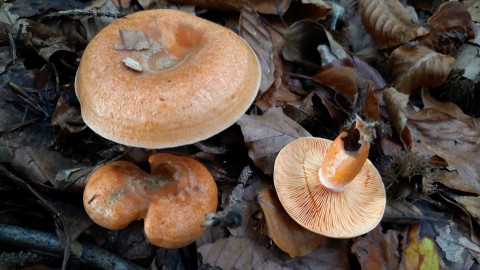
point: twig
(49, 242)
(82, 12)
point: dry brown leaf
(445, 131)
(389, 22)
(278, 7)
(452, 26)
(237, 253)
(418, 66)
(302, 40)
(267, 134)
(67, 116)
(39, 165)
(255, 33)
(378, 250)
(288, 235)
(396, 104)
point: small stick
(49, 242)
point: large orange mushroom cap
(197, 79)
(172, 200)
(351, 211)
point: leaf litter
(315, 57)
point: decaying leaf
(267, 134)
(396, 104)
(377, 250)
(419, 253)
(389, 22)
(471, 204)
(237, 253)
(278, 7)
(456, 246)
(301, 44)
(452, 26)
(418, 66)
(255, 33)
(132, 40)
(288, 235)
(445, 131)
(67, 116)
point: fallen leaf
(389, 22)
(452, 26)
(419, 253)
(471, 204)
(418, 66)
(396, 104)
(265, 135)
(455, 246)
(29, 8)
(302, 40)
(255, 33)
(453, 136)
(67, 116)
(132, 40)
(288, 235)
(378, 250)
(237, 253)
(266, 7)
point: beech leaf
(418, 66)
(389, 22)
(255, 33)
(453, 136)
(278, 7)
(287, 234)
(265, 135)
(377, 250)
(396, 104)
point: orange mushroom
(176, 79)
(172, 200)
(331, 188)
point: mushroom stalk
(346, 156)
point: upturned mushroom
(172, 200)
(331, 188)
(165, 78)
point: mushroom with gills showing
(331, 188)
(172, 200)
(165, 78)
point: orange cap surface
(173, 199)
(198, 78)
(353, 211)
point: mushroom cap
(173, 199)
(355, 210)
(198, 78)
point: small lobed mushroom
(172, 200)
(331, 188)
(164, 78)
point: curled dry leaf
(389, 22)
(396, 104)
(288, 235)
(377, 250)
(452, 26)
(278, 7)
(254, 31)
(301, 44)
(418, 66)
(265, 135)
(445, 131)
(419, 253)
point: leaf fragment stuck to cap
(132, 64)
